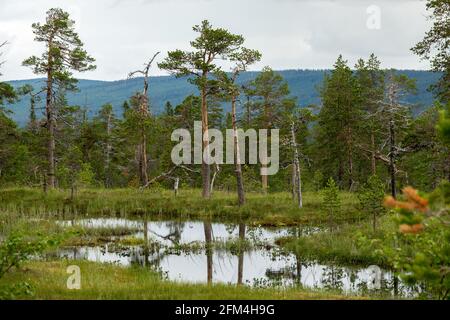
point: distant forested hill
(93, 94)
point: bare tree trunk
(146, 249)
(264, 178)
(144, 113)
(298, 179)
(51, 128)
(293, 181)
(142, 147)
(208, 248)
(392, 157)
(175, 186)
(216, 172)
(298, 260)
(237, 156)
(205, 142)
(143, 166)
(108, 152)
(241, 253)
(373, 154)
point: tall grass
(354, 244)
(106, 281)
(273, 209)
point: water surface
(186, 251)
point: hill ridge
(93, 94)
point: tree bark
(237, 156)
(51, 126)
(208, 248)
(241, 253)
(144, 112)
(142, 147)
(264, 178)
(206, 172)
(146, 249)
(108, 152)
(392, 157)
(293, 179)
(175, 186)
(143, 165)
(216, 172)
(298, 179)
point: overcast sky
(291, 34)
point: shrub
(423, 252)
(371, 198)
(331, 200)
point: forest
(363, 180)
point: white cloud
(122, 35)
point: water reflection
(252, 258)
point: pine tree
(211, 44)
(64, 53)
(331, 201)
(371, 198)
(339, 122)
(241, 59)
(371, 85)
(271, 105)
(435, 46)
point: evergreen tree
(211, 44)
(371, 198)
(435, 46)
(64, 52)
(331, 200)
(271, 105)
(339, 122)
(371, 85)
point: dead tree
(213, 179)
(392, 113)
(144, 112)
(296, 168)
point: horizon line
(249, 71)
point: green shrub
(371, 198)
(331, 201)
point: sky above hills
(291, 34)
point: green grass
(106, 281)
(30, 210)
(274, 209)
(349, 244)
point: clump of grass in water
(343, 245)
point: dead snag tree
(144, 114)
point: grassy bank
(276, 209)
(106, 281)
(348, 244)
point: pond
(196, 251)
